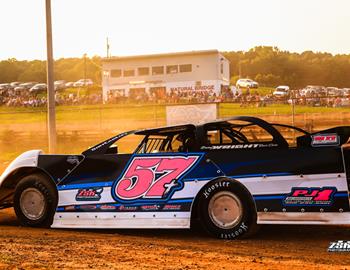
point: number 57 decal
(152, 177)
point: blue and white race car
(228, 175)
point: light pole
(85, 70)
(51, 112)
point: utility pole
(85, 71)
(107, 47)
(239, 69)
(51, 110)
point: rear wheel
(35, 201)
(226, 210)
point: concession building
(158, 74)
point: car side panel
(285, 181)
(88, 197)
(270, 174)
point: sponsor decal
(150, 207)
(325, 139)
(108, 207)
(172, 207)
(153, 178)
(89, 194)
(88, 207)
(310, 196)
(239, 146)
(115, 138)
(339, 246)
(213, 187)
(73, 160)
(127, 208)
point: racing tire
(35, 201)
(226, 210)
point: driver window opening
(178, 139)
(125, 145)
(178, 142)
(237, 132)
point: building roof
(159, 55)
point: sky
(157, 26)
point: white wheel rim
(32, 203)
(225, 210)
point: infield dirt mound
(275, 247)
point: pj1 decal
(310, 196)
(153, 178)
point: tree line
(69, 69)
(271, 67)
(267, 65)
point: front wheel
(226, 210)
(35, 201)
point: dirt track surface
(275, 247)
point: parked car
(83, 82)
(5, 86)
(38, 88)
(346, 91)
(14, 84)
(313, 90)
(60, 85)
(246, 83)
(281, 91)
(226, 175)
(25, 86)
(334, 92)
(69, 84)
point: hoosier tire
(35, 201)
(226, 210)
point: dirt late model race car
(228, 175)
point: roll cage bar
(200, 132)
(277, 138)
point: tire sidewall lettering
(208, 191)
(242, 229)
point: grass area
(83, 113)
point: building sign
(209, 87)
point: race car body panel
(27, 159)
(157, 184)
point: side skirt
(133, 220)
(304, 218)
